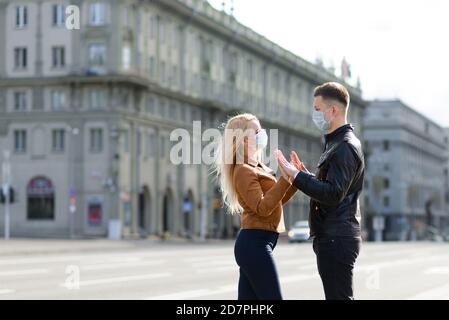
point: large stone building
(446, 170)
(406, 162)
(87, 113)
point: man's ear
(336, 109)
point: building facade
(87, 114)
(446, 170)
(406, 162)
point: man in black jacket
(334, 191)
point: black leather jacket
(335, 189)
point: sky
(398, 48)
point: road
(208, 271)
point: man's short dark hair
(333, 91)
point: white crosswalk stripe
(11, 273)
(6, 291)
(438, 293)
(199, 272)
(119, 279)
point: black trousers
(336, 258)
(253, 252)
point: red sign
(94, 214)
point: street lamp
(73, 132)
(6, 174)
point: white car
(299, 232)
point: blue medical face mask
(261, 139)
(320, 121)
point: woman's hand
(288, 170)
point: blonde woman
(250, 188)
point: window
(151, 145)
(150, 105)
(276, 82)
(176, 36)
(97, 14)
(139, 143)
(386, 201)
(20, 140)
(58, 15)
(163, 146)
(126, 16)
(58, 140)
(174, 76)
(97, 99)
(386, 144)
(126, 140)
(152, 27)
(20, 57)
(386, 183)
(97, 54)
(96, 140)
(57, 100)
(58, 57)
(126, 57)
(21, 16)
(152, 68)
(41, 199)
(161, 30)
(20, 101)
(168, 34)
(161, 108)
(162, 72)
(250, 73)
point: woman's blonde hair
(229, 152)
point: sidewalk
(25, 246)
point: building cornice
(144, 84)
(228, 28)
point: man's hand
(288, 170)
(294, 159)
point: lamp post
(6, 173)
(111, 184)
(73, 132)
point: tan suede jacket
(261, 196)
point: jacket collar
(255, 163)
(338, 132)
(250, 161)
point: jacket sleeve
(289, 194)
(343, 166)
(248, 187)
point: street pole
(6, 171)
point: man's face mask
(320, 121)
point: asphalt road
(208, 271)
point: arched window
(41, 199)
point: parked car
(299, 232)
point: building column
(39, 62)
(3, 30)
(76, 181)
(77, 50)
(134, 180)
(114, 50)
